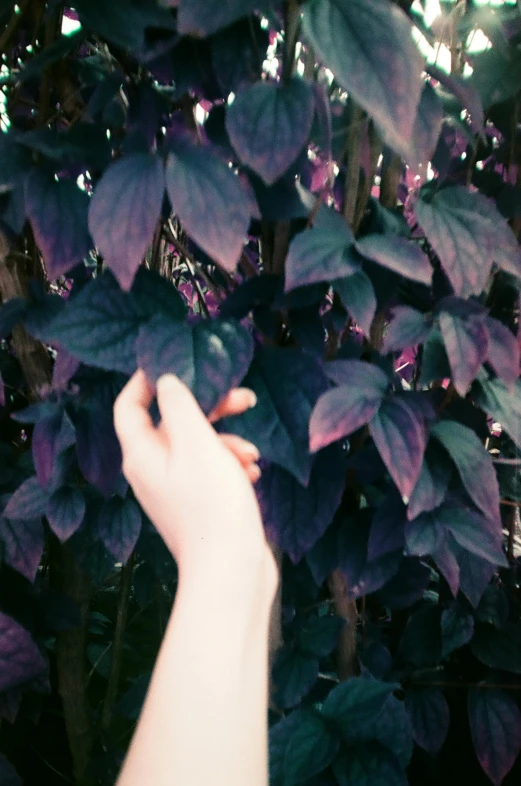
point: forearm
(205, 716)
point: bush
(303, 198)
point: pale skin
(205, 715)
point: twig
(117, 649)
(354, 151)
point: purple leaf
(58, 212)
(210, 202)
(363, 576)
(65, 367)
(401, 435)
(408, 327)
(369, 48)
(423, 535)
(387, 533)
(65, 512)
(427, 127)
(466, 343)
(319, 255)
(495, 726)
(287, 383)
(473, 463)
(28, 501)
(465, 92)
(269, 123)
(457, 628)
(503, 351)
(345, 409)
(118, 526)
(44, 447)
(20, 658)
(447, 563)
(473, 532)
(124, 212)
(97, 447)
(358, 297)
(23, 545)
(475, 573)
(502, 404)
(203, 19)
(296, 517)
(431, 487)
(211, 357)
(468, 234)
(100, 324)
(397, 254)
(429, 713)
(293, 675)
(8, 774)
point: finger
(182, 417)
(245, 451)
(132, 420)
(253, 473)
(235, 403)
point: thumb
(181, 415)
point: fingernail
(255, 473)
(253, 399)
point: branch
(354, 152)
(125, 587)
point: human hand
(194, 484)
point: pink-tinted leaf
(269, 123)
(400, 434)
(118, 526)
(429, 713)
(407, 328)
(28, 501)
(466, 344)
(210, 202)
(397, 254)
(22, 545)
(296, 517)
(369, 48)
(20, 658)
(124, 212)
(65, 512)
(44, 446)
(319, 255)
(341, 411)
(58, 212)
(503, 351)
(495, 725)
(203, 19)
(358, 297)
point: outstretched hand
(193, 483)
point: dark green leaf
(499, 649)
(287, 383)
(397, 254)
(457, 627)
(358, 297)
(293, 675)
(210, 357)
(203, 19)
(356, 702)
(407, 328)
(368, 765)
(504, 405)
(311, 749)
(429, 714)
(493, 607)
(319, 255)
(318, 636)
(473, 462)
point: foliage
(299, 197)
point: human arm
(205, 715)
